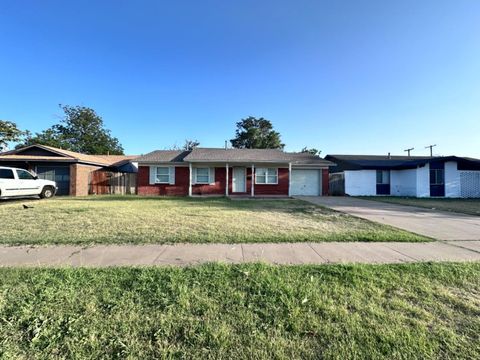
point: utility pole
(431, 149)
(408, 151)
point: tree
(190, 144)
(81, 130)
(312, 151)
(253, 133)
(9, 132)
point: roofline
(48, 148)
(66, 160)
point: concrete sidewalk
(438, 225)
(191, 254)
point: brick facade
(279, 189)
(79, 176)
(180, 188)
(325, 182)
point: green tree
(256, 133)
(81, 130)
(312, 151)
(9, 132)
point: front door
(239, 180)
(437, 179)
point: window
(24, 175)
(202, 176)
(6, 174)
(163, 175)
(383, 177)
(266, 176)
(436, 176)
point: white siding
(403, 182)
(361, 182)
(423, 181)
(452, 180)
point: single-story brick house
(415, 176)
(227, 172)
(71, 170)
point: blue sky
(341, 76)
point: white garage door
(306, 182)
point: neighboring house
(72, 171)
(416, 176)
(244, 172)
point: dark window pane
(379, 176)
(386, 177)
(24, 175)
(440, 175)
(6, 174)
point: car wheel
(47, 192)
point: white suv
(19, 182)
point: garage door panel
(59, 174)
(305, 182)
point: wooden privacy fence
(103, 182)
(337, 184)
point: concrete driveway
(435, 224)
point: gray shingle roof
(163, 156)
(232, 155)
(211, 154)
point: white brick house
(371, 175)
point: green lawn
(466, 206)
(415, 311)
(131, 219)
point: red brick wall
(180, 188)
(325, 182)
(217, 189)
(181, 183)
(280, 189)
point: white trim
(152, 172)
(266, 176)
(211, 176)
(289, 178)
(226, 179)
(171, 173)
(252, 190)
(190, 180)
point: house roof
(64, 155)
(357, 162)
(233, 156)
(163, 156)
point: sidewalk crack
(316, 252)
